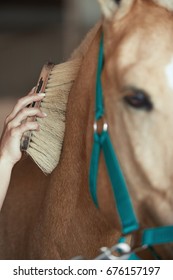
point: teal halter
(102, 142)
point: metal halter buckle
(100, 126)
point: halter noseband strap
(102, 142)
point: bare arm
(10, 152)
(5, 174)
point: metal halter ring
(123, 250)
(100, 126)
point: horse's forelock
(125, 6)
(117, 1)
(110, 7)
(122, 7)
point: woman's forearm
(5, 174)
(14, 128)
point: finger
(24, 113)
(23, 102)
(32, 91)
(28, 126)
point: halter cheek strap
(102, 143)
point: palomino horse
(54, 217)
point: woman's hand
(14, 127)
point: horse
(54, 217)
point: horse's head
(138, 93)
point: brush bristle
(46, 144)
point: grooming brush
(45, 145)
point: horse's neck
(80, 116)
(68, 198)
(79, 134)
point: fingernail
(44, 114)
(41, 94)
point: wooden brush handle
(40, 88)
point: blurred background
(33, 32)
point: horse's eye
(138, 99)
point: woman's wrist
(6, 163)
(5, 174)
